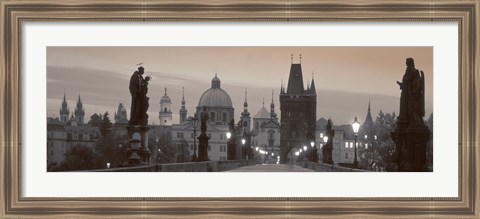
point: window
(212, 116)
(346, 144)
(221, 136)
(366, 145)
(224, 117)
(165, 109)
(245, 123)
(179, 134)
(51, 153)
(209, 148)
(351, 144)
(346, 155)
(321, 135)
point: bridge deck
(271, 168)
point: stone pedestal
(202, 147)
(411, 148)
(315, 155)
(327, 153)
(232, 150)
(138, 153)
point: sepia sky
(346, 78)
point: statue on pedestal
(138, 153)
(411, 134)
(328, 147)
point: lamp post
(355, 126)
(156, 150)
(244, 149)
(325, 140)
(194, 125)
(314, 152)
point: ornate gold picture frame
(13, 14)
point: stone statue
(411, 135)
(412, 98)
(417, 101)
(328, 147)
(203, 120)
(139, 89)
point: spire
(183, 96)
(183, 110)
(79, 102)
(245, 104)
(312, 85)
(79, 111)
(245, 112)
(273, 115)
(165, 92)
(64, 111)
(369, 119)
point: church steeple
(245, 105)
(64, 111)
(368, 119)
(273, 115)
(79, 111)
(165, 114)
(183, 110)
(245, 117)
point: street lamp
(355, 126)
(229, 135)
(305, 148)
(195, 125)
(325, 139)
(156, 151)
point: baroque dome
(215, 96)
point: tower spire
(369, 119)
(165, 91)
(245, 113)
(183, 110)
(312, 85)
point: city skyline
(101, 74)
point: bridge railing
(206, 166)
(323, 167)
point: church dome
(215, 96)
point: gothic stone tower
(298, 108)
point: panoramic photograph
(239, 109)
